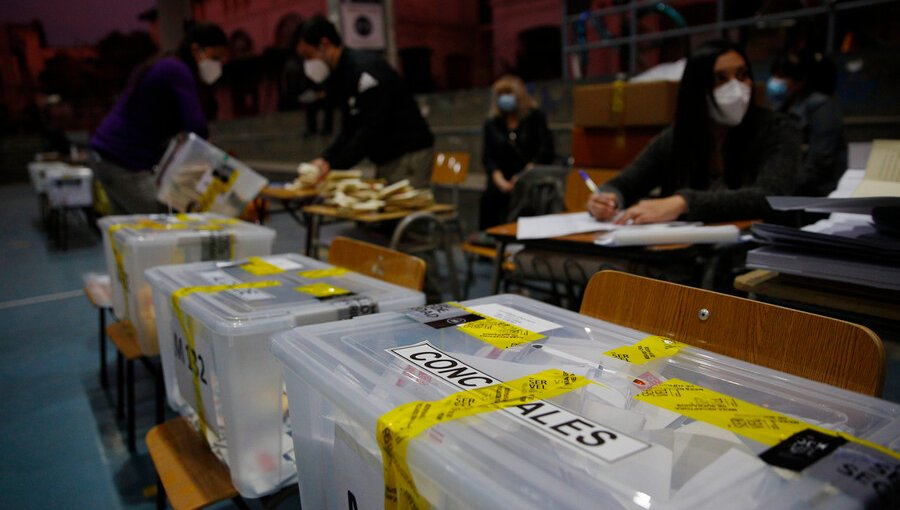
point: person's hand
(654, 210)
(504, 185)
(323, 166)
(602, 206)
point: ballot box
(214, 321)
(507, 402)
(134, 243)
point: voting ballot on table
(506, 402)
(214, 322)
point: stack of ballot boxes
(197, 176)
(137, 242)
(214, 322)
(506, 402)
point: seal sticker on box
(650, 348)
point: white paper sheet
(555, 225)
(666, 234)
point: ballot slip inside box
(134, 243)
(194, 175)
(590, 415)
(214, 322)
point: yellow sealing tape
(187, 328)
(648, 349)
(397, 427)
(500, 334)
(260, 267)
(216, 187)
(749, 420)
(321, 290)
(322, 273)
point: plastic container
(197, 176)
(145, 241)
(226, 358)
(342, 377)
(69, 186)
(37, 173)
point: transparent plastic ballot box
(69, 186)
(674, 427)
(137, 242)
(196, 176)
(37, 173)
(215, 320)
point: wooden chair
(577, 193)
(820, 348)
(378, 262)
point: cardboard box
(609, 147)
(625, 104)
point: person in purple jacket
(161, 100)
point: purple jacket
(164, 103)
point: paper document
(882, 171)
(555, 225)
(646, 235)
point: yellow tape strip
(260, 267)
(749, 420)
(187, 328)
(120, 264)
(321, 290)
(322, 273)
(500, 334)
(397, 427)
(216, 187)
(648, 349)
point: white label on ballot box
(197, 362)
(358, 474)
(570, 429)
(222, 278)
(514, 317)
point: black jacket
(510, 151)
(381, 120)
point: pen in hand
(601, 206)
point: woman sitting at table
(516, 137)
(718, 161)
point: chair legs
(129, 371)
(104, 378)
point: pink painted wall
(511, 17)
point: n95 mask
(316, 69)
(733, 99)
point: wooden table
(584, 243)
(315, 214)
(854, 299)
(292, 200)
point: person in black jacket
(516, 137)
(720, 159)
(381, 120)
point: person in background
(718, 161)
(803, 87)
(162, 99)
(380, 118)
(516, 137)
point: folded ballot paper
(643, 235)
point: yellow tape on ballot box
(397, 427)
(500, 334)
(188, 330)
(259, 267)
(749, 420)
(650, 348)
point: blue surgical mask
(777, 91)
(507, 103)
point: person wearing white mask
(380, 119)
(164, 97)
(718, 161)
(516, 137)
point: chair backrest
(820, 348)
(450, 168)
(577, 192)
(378, 262)
(537, 192)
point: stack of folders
(847, 247)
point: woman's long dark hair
(692, 135)
(204, 35)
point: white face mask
(316, 69)
(733, 99)
(210, 70)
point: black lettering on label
(351, 501)
(847, 469)
(529, 408)
(467, 381)
(179, 348)
(440, 364)
(420, 356)
(596, 438)
(572, 424)
(538, 417)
